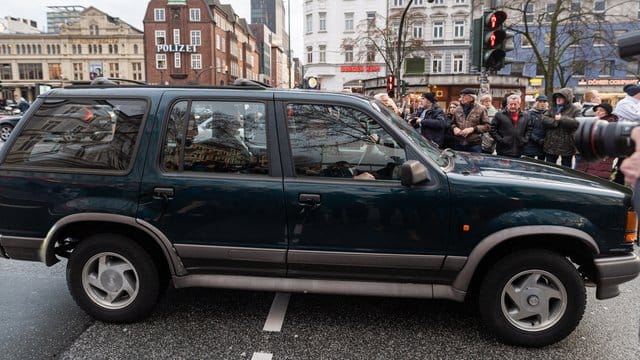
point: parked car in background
(7, 124)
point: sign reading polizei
(176, 48)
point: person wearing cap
(602, 168)
(628, 108)
(432, 119)
(511, 128)
(469, 122)
(560, 122)
(533, 147)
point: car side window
(337, 141)
(80, 134)
(219, 137)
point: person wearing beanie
(560, 121)
(470, 121)
(628, 109)
(432, 119)
(533, 148)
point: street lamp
(400, 43)
(399, 48)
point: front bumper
(613, 271)
(20, 248)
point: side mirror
(413, 172)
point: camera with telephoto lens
(596, 138)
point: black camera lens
(596, 139)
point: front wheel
(532, 298)
(112, 278)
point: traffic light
(391, 81)
(495, 41)
(404, 87)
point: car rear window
(80, 134)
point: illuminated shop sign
(607, 81)
(360, 68)
(176, 48)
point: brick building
(197, 42)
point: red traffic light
(494, 20)
(494, 38)
(390, 82)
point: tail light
(631, 229)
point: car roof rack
(247, 82)
(114, 81)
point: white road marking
(261, 356)
(277, 312)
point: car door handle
(161, 193)
(309, 200)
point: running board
(314, 286)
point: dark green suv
(247, 187)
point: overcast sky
(132, 12)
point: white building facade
(326, 25)
(440, 32)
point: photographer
(631, 165)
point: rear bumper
(20, 248)
(615, 270)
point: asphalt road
(43, 322)
(38, 317)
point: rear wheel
(112, 278)
(5, 131)
(532, 298)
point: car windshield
(429, 148)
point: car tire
(5, 131)
(532, 298)
(113, 279)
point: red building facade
(197, 42)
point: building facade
(57, 16)
(352, 44)
(96, 44)
(589, 58)
(272, 13)
(197, 42)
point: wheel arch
(79, 226)
(569, 242)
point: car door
(343, 224)
(214, 187)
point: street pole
(399, 49)
(289, 36)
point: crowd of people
(545, 131)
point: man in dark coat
(560, 121)
(432, 120)
(511, 128)
(533, 148)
